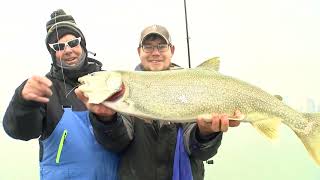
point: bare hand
(37, 88)
(98, 109)
(218, 123)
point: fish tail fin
(310, 136)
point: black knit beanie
(59, 25)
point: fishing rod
(186, 20)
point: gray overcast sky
(273, 44)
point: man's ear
(172, 48)
(139, 49)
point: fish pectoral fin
(211, 64)
(267, 126)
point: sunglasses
(60, 46)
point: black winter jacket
(27, 120)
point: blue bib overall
(80, 156)
(181, 165)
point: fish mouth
(117, 95)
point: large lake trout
(182, 95)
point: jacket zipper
(63, 138)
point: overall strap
(181, 165)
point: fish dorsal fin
(211, 64)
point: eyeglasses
(160, 47)
(60, 46)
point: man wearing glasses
(155, 49)
(47, 108)
(149, 150)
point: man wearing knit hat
(57, 27)
(47, 108)
(158, 150)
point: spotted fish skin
(182, 95)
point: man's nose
(155, 51)
(67, 48)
